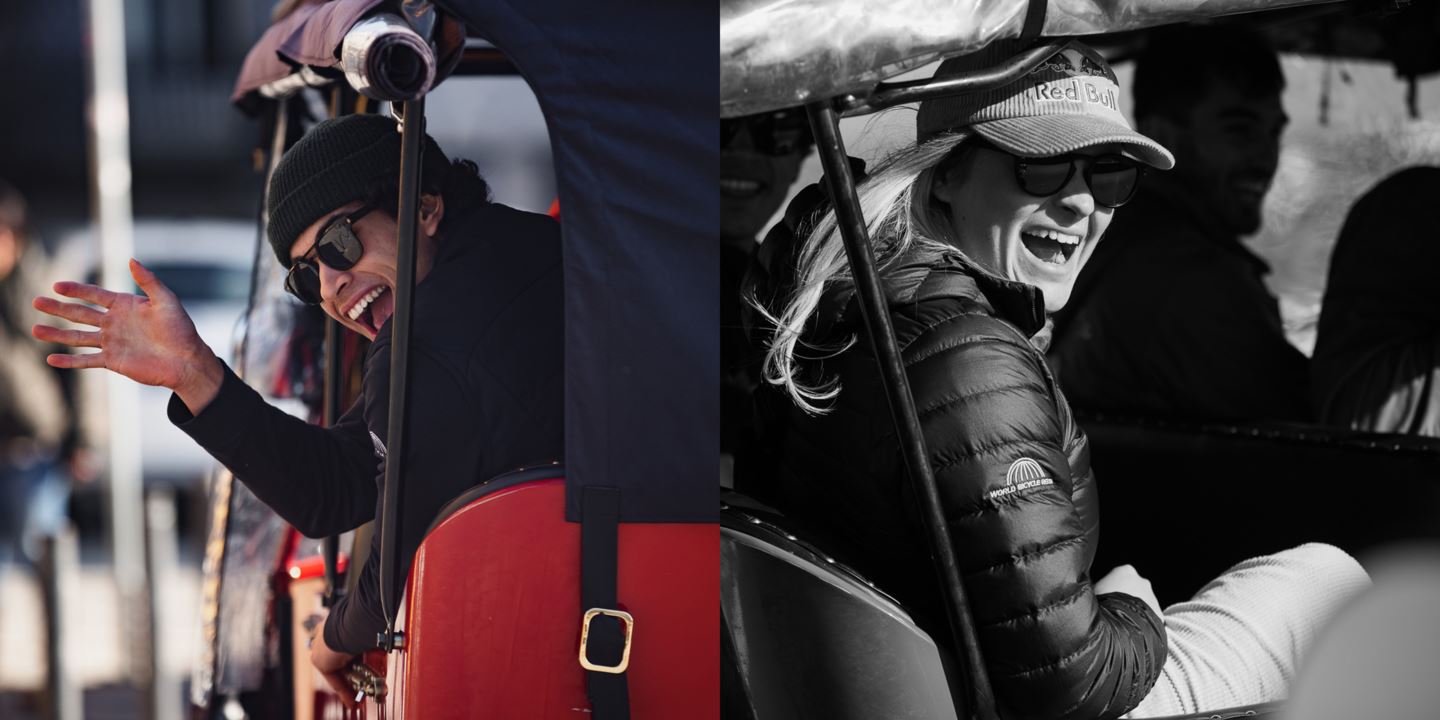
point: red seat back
(492, 614)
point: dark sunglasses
(1112, 178)
(783, 132)
(336, 245)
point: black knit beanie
(339, 161)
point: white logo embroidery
(1075, 90)
(379, 446)
(1024, 474)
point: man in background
(1171, 316)
(760, 158)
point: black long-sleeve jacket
(1015, 484)
(1171, 317)
(485, 397)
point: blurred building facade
(190, 151)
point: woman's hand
(148, 339)
(1125, 579)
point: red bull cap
(1069, 102)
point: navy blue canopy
(629, 92)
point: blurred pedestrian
(40, 439)
(1171, 316)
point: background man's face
(759, 161)
(1226, 152)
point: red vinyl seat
(492, 611)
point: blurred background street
(95, 650)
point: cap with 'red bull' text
(1069, 102)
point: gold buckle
(624, 617)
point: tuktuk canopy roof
(781, 54)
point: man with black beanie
(485, 361)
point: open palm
(149, 339)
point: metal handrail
(888, 95)
(825, 123)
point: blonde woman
(980, 230)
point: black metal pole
(412, 133)
(825, 123)
(888, 95)
(329, 413)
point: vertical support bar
(825, 124)
(59, 568)
(411, 138)
(330, 546)
(109, 156)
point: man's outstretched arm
(319, 480)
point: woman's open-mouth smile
(1050, 247)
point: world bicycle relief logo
(1024, 474)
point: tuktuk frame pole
(888, 95)
(825, 124)
(330, 546)
(412, 133)
(330, 408)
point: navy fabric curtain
(630, 94)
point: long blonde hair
(898, 214)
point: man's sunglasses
(336, 245)
(1112, 179)
(779, 133)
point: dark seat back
(805, 637)
(1183, 502)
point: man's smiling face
(362, 298)
(1226, 152)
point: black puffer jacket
(1015, 482)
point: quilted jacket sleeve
(998, 443)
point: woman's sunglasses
(336, 245)
(1112, 179)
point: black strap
(1034, 20)
(599, 549)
